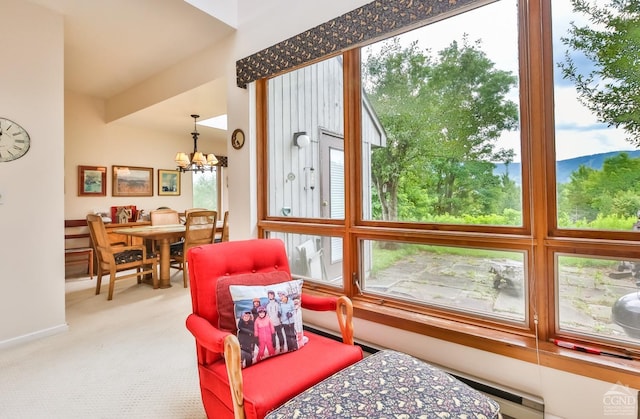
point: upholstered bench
(389, 384)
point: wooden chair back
(183, 216)
(225, 227)
(100, 240)
(164, 217)
(200, 228)
(223, 234)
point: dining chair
(117, 259)
(223, 234)
(200, 229)
(163, 216)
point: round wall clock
(14, 140)
(237, 139)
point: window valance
(376, 19)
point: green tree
(393, 79)
(576, 200)
(612, 191)
(610, 87)
(442, 117)
(204, 190)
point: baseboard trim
(30, 337)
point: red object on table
(114, 210)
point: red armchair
(228, 390)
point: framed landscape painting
(92, 181)
(168, 182)
(132, 181)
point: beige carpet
(131, 357)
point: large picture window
(470, 181)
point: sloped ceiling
(111, 46)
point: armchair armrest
(215, 340)
(206, 335)
(233, 361)
(343, 308)
(316, 303)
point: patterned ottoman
(389, 384)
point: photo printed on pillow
(269, 319)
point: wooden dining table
(165, 235)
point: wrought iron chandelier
(196, 161)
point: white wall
(31, 206)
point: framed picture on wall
(168, 182)
(92, 181)
(132, 181)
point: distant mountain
(564, 168)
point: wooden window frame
(539, 235)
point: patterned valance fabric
(368, 22)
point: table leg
(165, 261)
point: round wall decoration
(237, 139)
(14, 140)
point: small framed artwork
(132, 181)
(168, 182)
(92, 181)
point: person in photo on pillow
(288, 321)
(254, 309)
(274, 311)
(254, 314)
(246, 337)
(263, 330)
